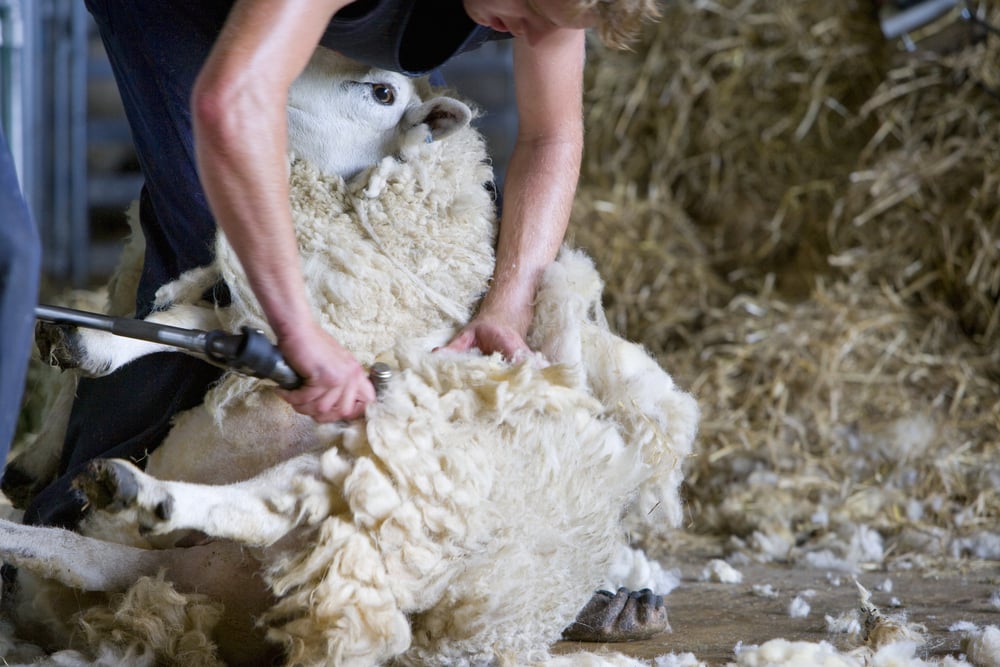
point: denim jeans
(20, 257)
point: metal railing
(43, 59)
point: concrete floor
(709, 619)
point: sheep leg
(256, 512)
(74, 560)
(619, 617)
(97, 353)
(222, 570)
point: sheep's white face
(344, 116)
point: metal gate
(43, 99)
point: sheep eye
(383, 93)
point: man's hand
(490, 335)
(538, 194)
(336, 386)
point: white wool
(914, 510)
(909, 438)
(107, 656)
(591, 660)
(963, 626)
(784, 653)
(764, 591)
(445, 456)
(846, 549)
(982, 545)
(633, 569)
(637, 393)
(773, 546)
(826, 559)
(470, 472)
(479, 504)
(949, 661)
(406, 248)
(866, 546)
(798, 607)
(722, 572)
(898, 654)
(983, 647)
(678, 660)
(846, 623)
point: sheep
(477, 506)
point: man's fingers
(463, 342)
(334, 404)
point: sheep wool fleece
(482, 501)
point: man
(240, 93)
(205, 84)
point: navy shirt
(412, 37)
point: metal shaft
(188, 339)
(249, 352)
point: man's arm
(240, 130)
(540, 185)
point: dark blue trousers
(156, 50)
(20, 256)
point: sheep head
(344, 116)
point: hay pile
(803, 224)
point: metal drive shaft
(248, 352)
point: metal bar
(250, 352)
(908, 20)
(60, 52)
(79, 232)
(31, 129)
(193, 340)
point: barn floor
(709, 619)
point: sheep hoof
(108, 485)
(58, 344)
(114, 485)
(619, 617)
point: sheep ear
(442, 116)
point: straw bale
(923, 209)
(849, 403)
(803, 227)
(744, 111)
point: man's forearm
(238, 110)
(541, 182)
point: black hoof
(58, 344)
(619, 617)
(108, 485)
